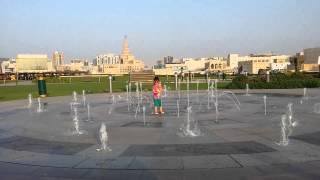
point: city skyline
(158, 28)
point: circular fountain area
(204, 130)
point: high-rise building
(57, 59)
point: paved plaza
(240, 142)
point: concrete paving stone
(162, 175)
(113, 174)
(309, 169)
(143, 125)
(116, 150)
(232, 132)
(17, 169)
(224, 173)
(121, 163)
(59, 172)
(156, 163)
(277, 177)
(118, 163)
(176, 137)
(17, 177)
(50, 160)
(21, 143)
(134, 135)
(94, 163)
(247, 160)
(246, 147)
(312, 138)
(301, 156)
(209, 162)
(8, 155)
(271, 158)
(296, 151)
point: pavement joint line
(86, 158)
(132, 160)
(236, 161)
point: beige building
(32, 63)
(310, 67)
(123, 64)
(253, 67)
(171, 69)
(199, 65)
(196, 65)
(253, 63)
(75, 65)
(216, 66)
(311, 60)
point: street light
(176, 77)
(110, 83)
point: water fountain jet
(104, 138)
(30, 100)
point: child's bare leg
(161, 110)
(155, 109)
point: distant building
(107, 59)
(31, 63)
(196, 65)
(128, 62)
(57, 59)
(216, 65)
(3, 62)
(253, 63)
(296, 62)
(184, 59)
(311, 60)
(192, 65)
(253, 66)
(119, 64)
(75, 65)
(168, 60)
(312, 56)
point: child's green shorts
(157, 102)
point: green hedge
(277, 81)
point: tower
(57, 59)
(125, 46)
(126, 55)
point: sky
(82, 29)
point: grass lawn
(63, 87)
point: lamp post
(110, 83)
(268, 76)
(207, 75)
(176, 77)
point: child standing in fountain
(157, 89)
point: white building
(196, 65)
(279, 66)
(256, 62)
(107, 59)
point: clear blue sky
(157, 28)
